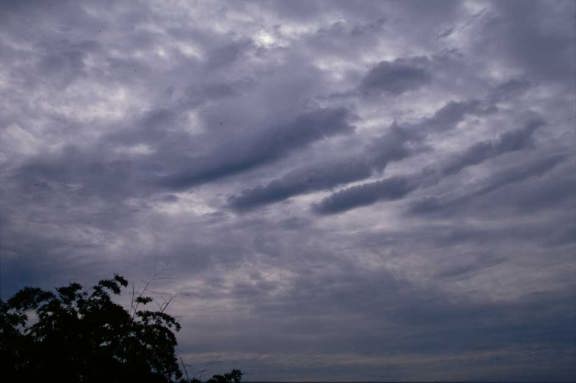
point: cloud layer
(330, 190)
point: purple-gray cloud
(331, 190)
(396, 77)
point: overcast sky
(330, 190)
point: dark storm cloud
(394, 145)
(454, 112)
(396, 77)
(399, 142)
(498, 180)
(366, 194)
(558, 190)
(371, 193)
(510, 89)
(508, 142)
(301, 181)
(520, 173)
(242, 153)
(391, 146)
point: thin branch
(167, 303)
(132, 308)
(184, 368)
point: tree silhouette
(84, 337)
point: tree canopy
(80, 336)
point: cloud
(366, 194)
(396, 77)
(370, 193)
(397, 143)
(448, 117)
(508, 142)
(244, 152)
(498, 180)
(391, 146)
(394, 145)
(133, 134)
(542, 51)
(301, 181)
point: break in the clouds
(330, 190)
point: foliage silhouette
(84, 337)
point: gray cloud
(366, 194)
(396, 77)
(391, 146)
(395, 145)
(520, 173)
(494, 182)
(391, 189)
(508, 142)
(133, 133)
(301, 181)
(543, 52)
(242, 153)
(398, 143)
(452, 113)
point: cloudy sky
(329, 190)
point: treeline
(78, 336)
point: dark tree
(84, 336)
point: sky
(326, 190)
